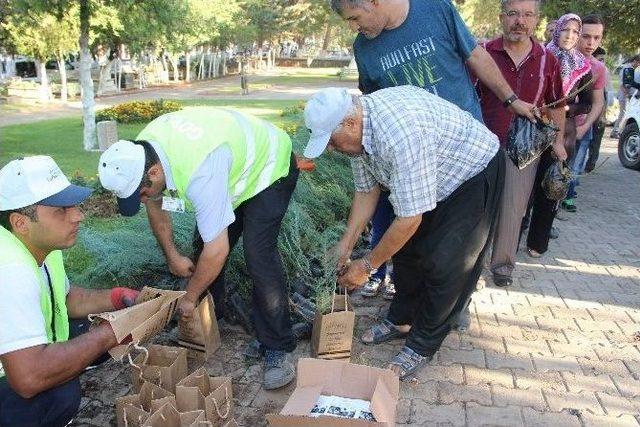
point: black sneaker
(278, 369)
(502, 280)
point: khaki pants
(515, 197)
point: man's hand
(123, 297)
(186, 308)
(181, 266)
(521, 108)
(339, 253)
(354, 276)
(581, 131)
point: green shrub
(138, 111)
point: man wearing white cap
(444, 172)
(237, 173)
(42, 351)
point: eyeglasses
(517, 14)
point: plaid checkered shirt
(418, 146)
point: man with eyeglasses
(535, 72)
(424, 44)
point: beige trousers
(515, 198)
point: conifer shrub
(123, 251)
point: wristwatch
(367, 264)
(510, 100)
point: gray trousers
(515, 197)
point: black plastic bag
(556, 181)
(526, 140)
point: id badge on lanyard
(172, 204)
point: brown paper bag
(161, 365)
(153, 310)
(332, 333)
(201, 332)
(134, 409)
(168, 416)
(213, 394)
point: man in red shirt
(535, 75)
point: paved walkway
(223, 88)
(561, 347)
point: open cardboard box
(338, 378)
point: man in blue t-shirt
(422, 43)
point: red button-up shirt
(528, 80)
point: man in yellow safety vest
(237, 173)
(44, 343)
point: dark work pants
(436, 271)
(543, 211)
(53, 407)
(258, 220)
(594, 146)
(380, 222)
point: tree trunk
(42, 73)
(173, 59)
(62, 69)
(327, 37)
(187, 71)
(163, 60)
(88, 103)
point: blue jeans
(578, 161)
(54, 407)
(380, 222)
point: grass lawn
(62, 138)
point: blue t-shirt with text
(428, 50)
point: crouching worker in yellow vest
(237, 173)
(44, 338)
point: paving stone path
(561, 347)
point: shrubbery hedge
(138, 111)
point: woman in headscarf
(577, 83)
(576, 73)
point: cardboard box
(332, 334)
(337, 378)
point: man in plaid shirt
(444, 172)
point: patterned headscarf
(573, 64)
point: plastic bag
(526, 140)
(556, 181)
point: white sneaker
(371, 288)
(389, 291)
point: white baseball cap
(120, 169)
(322, 115)
(37, 180)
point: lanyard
(53, 303)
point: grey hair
(339, 5)
(353, 110)
(504, 3)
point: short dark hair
(150, 159)
(338, 5)
(593, 18)
(29, 211)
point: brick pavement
(561, 347)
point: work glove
(123, 297)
